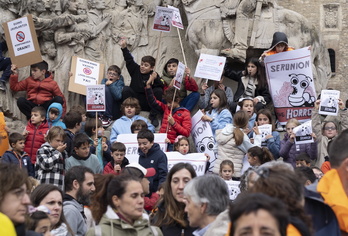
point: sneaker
(2, 85)
(106, 122)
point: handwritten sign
(210, 67)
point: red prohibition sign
(20, 36)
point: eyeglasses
(330, 128)
(112, 74)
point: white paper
(233, 188)
(180, 72)
(329, 102)
(95, 98)
(176, 18)
(303, 133)
(210, 67)
(87, 72)
(163, 19)
(197, 160)
(22, 41)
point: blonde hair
(55, 131)
(293, 121)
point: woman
(118, 206)
(51, 196)
(169, 214)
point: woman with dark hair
(118, 207)
(169, 214)
(51, 196)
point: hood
(278, 37)
(57, 106)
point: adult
(119, 207)
(169, 214)
(79, 186)
(51, 196)
(206, 207)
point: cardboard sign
(203, 137)
(95, 98)
(233, 189)
(329, 102)
(197, 160)
(180, 72)
(210, 67)
(176, 18)
(85, 72)
(162, 19)
(22, 41)
(304, 133)
(131, 143)
(291, 84)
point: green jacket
(111, 225)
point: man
(79, 185)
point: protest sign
(203, 137)
(290, 79)
(180, 72)
(162, 19)
(21, 41)
(85, 72)
(329, 102)
(131, 143)
(176, 18)
(264, 131)
(95, 98)
(210, 67)
(197, 160)
(303, 133)
(233, 188)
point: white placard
(233, 189)
(329, 102)
(180, 72)
(176, 18)
(210, 67)
(87, 72)
(197, 160)
(22, 40)
(95, 98)
(131, 143)
(303, 133)
(264, 131)
(163, 19)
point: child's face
(248, 106)
(183, 147)
(18, 146)
(145, 67)
(56, 142)
(144, 145)
(173, 105)
(52, 116)
(214, 101)
(137, 129)
(129, 111)
(330, 130)
(252, 159)
(171, 69)
(84, 117)
(290, 127)
(112, 76)
(252, 69)
(118, 157)
(280, 47)
(43, 227)
(301, 163)
(36, 73)
(83, 150)
(36, 118)
(226, 172)
(262, 120)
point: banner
(329, 102)
(162, 19)
(180, 72)
(197, 160)
(203, 137)
(304, 133)
(176, 18)
(290, 80)
(131, 143)
(95, 98)
(210, 67)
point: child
(188, 84)
(49, 167)
(258, 156)
(99, 143)
(151, 156)
(82, 111)
(40, 87)
(279, 44)
(140, 74)
(130, 109)
(233, 143)
(138, 125)
(114, 84)
(54, 113)
(328, 130)
(82, 156)
(247, 105)
(4, 142)
(218, 115)
(17, 155)
(119, 161)
(303, 159)
(289, 150)
(35, 132)
(72, 121)
(39, 222)
(176, 119)
(272, 142)
(226, 169)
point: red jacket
(181, 115)
(37, 91)
(35, 139)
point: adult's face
(178, 183)
(86, 189)
(15, 204)
(194, 212)
(54, 202)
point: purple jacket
(288, 150)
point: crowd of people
(64, 176)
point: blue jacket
(25, 163)
(251, 125)
(123, 126)
(57, 121)
(157, 159)
(220, 119)
(116, 88)
(273, 144)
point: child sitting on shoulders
(119, 161)
(54, 113)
